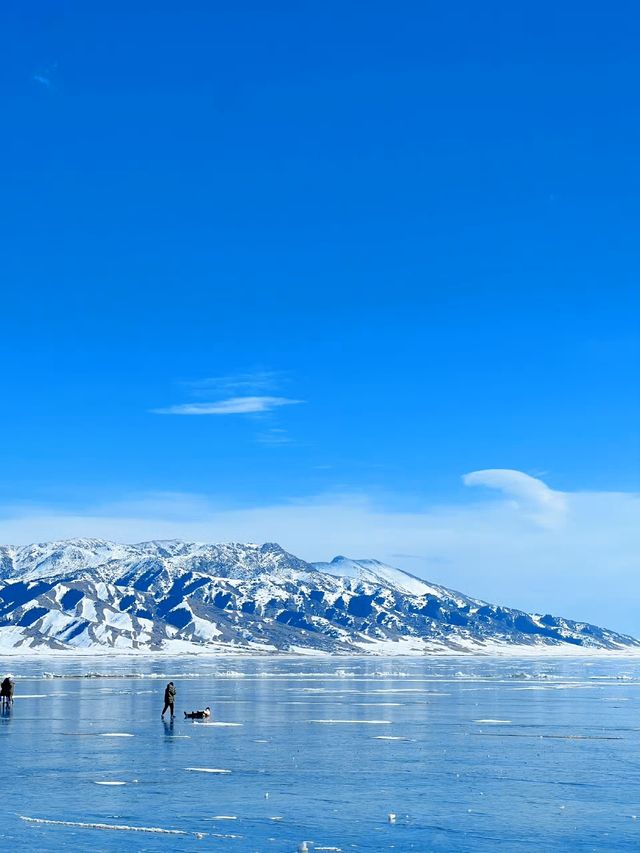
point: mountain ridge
(93, 595)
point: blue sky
(401, 239)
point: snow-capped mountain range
(90, 595)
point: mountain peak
(169, 595)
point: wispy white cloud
(239, 394)
(495, 548)
(544, 505)
(232, 406)
(40, 78)
(274, 437)
(248, 382)
(44, 76)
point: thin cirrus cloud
(231, 406)
(238, 384)
(44, 76)
(274, 437)
(42, 79)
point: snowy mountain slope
(159, 561)
(376, 572)
(171, 596)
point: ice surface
(480, 766)
(357, 722)
(107, 826)
(206, 770)
(493, 722)
(390, 737)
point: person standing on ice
(6, 691)
(169, 699)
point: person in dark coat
(169, 699)
(6, 691)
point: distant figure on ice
(169, 699)
(6, 691)
(198, 715)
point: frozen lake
(470, 754)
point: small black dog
(198, 715)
